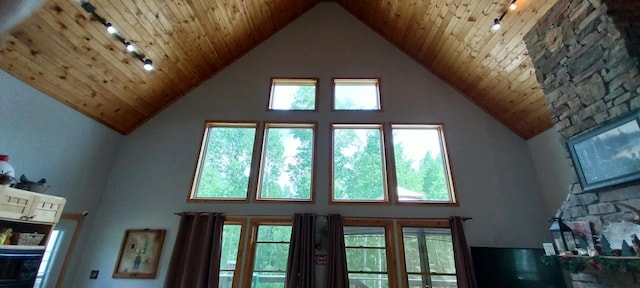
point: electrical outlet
(94, 274)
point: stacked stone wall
(586, 57)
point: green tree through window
(358, 163)
(428, 257)
(225, 167)
(420, 168)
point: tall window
(379, 162)
(359, 172)
(224, 164)
(293, 94)
(231, 241)
(287, 162)
(356, 94)
(421, 164)
(428, 257)
(366, 249)
(270, 247)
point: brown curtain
(336, 274)
(462, 254)
(301, 272)
(195, 262)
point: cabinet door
(46, 208)
(14, 204)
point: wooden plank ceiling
(66, 55)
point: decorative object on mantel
(618, 235)
(562, 236)
(580, 264)
(582, 234)
(6, 170)
(25, 184)
(608, 155)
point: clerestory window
(379, 162)
(293, 94)
(224, 164)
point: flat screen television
(514, 268)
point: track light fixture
(496, 22)
(496, 25)
(147, 63)
(130, 47)
(110, 29)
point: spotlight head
(110, 28)
(513, 6)
(130, 47)
(148, 65)
(496, 24)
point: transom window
(293, 94)
(224, 164)
(356, 94)
(359, 171)
(421, 164)
(287, 162)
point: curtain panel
(336, 271)
(462, 254)
(195, 262)
(300, 265)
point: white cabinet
(30, 206)
(28, 216)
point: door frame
(79, 218)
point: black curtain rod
(257, 215)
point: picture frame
(608, 155)
(139, 254)
(582, 234)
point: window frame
(204, 143)
(293, 80)
(263, 139)
(385, 164)
(444, 150)
(250, 256)
(375, 80)
(242, 221)
(416, 223)
(390, 244)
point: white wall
(553, 168)
(493, 172)
(46, 139)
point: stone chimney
(585, 54)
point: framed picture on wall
(608, 155)
(139, 254)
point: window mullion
(424, 258)
(256, 162)
(392, 180)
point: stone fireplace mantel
(585, 53)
